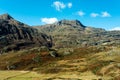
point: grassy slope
(96, 63)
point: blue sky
(96, 13)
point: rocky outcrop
(73, 23)
(17, 35)
(72, 33)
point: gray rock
(53, 53)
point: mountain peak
(5, 16)
(70, 22)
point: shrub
(36, 59)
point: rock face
(73, 23)
(66, 33)
(15, 35)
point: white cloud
(115, 28)
(94, 15)
(59, 5)
(69, 5)
(49, 20)
(81, 13)
(105, 14)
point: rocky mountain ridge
(71, 33)
(15, 35)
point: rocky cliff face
(16, 35)
(66, 33)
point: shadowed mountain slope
(15, 35)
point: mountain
(15, 35)
(72, 33)
(87, 52)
